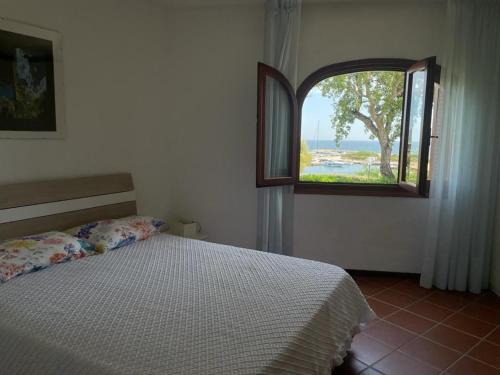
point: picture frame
(31, 82)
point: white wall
(213, 68)
(114, 57)
(167, 93)
(364, 232)
(213, 75)
(170, 95)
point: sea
(336, 169)
(348, 145)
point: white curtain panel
(459, 243)
(275, 204)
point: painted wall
(114, 58)
(169, 93)
(212, 86)
(211, 112)
(213, 138)
(364, 232)
(213, 72)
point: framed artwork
(31, 82)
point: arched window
(359, 127)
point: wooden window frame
(388, 190)
(264, 71)
(421, 188)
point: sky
(318, 108)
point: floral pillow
(31, 253)
(113, 234)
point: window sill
(354, 189)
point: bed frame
(40, 206)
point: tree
(374, 98)
(305, 155)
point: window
(276, 129)
(360, 127)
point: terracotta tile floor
(420, 331)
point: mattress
(170, 305)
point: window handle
(434, 136)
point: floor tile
(389, 334)
(469, 325)
(398, 364)
(364, 279)
(494, 336)
(351, 366)
(380, 281)
(390, 343)
(412, 288)
(381, 309)
(429, 310)
(372, 322)
(367, 349)
(452, 338)
(449, 300)
(482, 312)
(431, 353)
(490, 300)
(369, 289)
(395, 298)
(387, 281)
(410, 321)
(371, 371)
(468, 366)
(360, 279)
(488, 353)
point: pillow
(113, 234)
(31, 253)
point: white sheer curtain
(275, 204)
(459, 241)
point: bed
(168, 305)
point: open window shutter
(415, 138)
(277, 114)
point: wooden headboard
(35, 207)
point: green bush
(359, 178)
(361, 155)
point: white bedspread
(170, 305)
